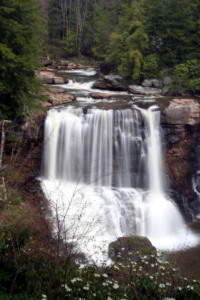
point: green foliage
(150, 67)
(187, 77)
(70, 44)
(129, 41)
(20, 30)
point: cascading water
(102, 175)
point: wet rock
(99, 95)
(137, 89)
(133, 247)
(59, 96)
(49, 77)
(111, 82)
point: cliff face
(181, 125)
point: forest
(138, 38)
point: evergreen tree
(20, 32)
(129, 40)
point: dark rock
(133, 247)
(111, 82)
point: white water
(83, 72)
(102, 175)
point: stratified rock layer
(181, 124)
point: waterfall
(102, 175)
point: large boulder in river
(58, 96)
(111, 82)
(147, 91)
(131, 247)
(49, 77)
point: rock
(182, 112)
(156, 83)
(165, 90)
(152, 83)
(33, 127)
(49, 77)
(59, 98)
(71, 66)
(99, 95)
(132, 247)
(137, 89)
(111, 82)
(167, 80)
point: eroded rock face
(181, 124)
(182, 112)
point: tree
(20, 31)
(129, 40)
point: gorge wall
(181, 125)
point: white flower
(151, 277)
(168, 284)
(44, 297)
(109, 298)
(86, 287)
(96, 275)
(115, 286)
(190, 287)
(105, 275)
(116, 268)
(161, 285)
(179, 288)
(65, 286)
(104, 284)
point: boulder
(167, 80)
(99, 95)
(132, 247)
(182, 112)
(137, 89)
(152, 83)
(111, 82)
(57, 96)
(49, 77)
